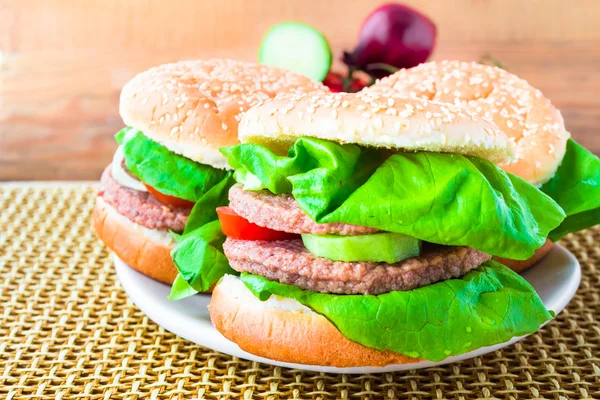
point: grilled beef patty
(288, 261)
(141, 207)
(282, 213)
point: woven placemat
(68, 330)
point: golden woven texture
(69, 331)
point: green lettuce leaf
(576, 188)
(180, 289)
(120, 136)
(336, 169)
(204, 210)
(447, 199)
(487, 306)
(198, 255)
(167, 172)
(200, 261)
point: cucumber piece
(379, 247)
(298, 47)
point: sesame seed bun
(285, 330)
(143, 249)
(522, 265)
(193, 107)
(518, 109)
(374, 120)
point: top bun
(194, 107)
(375, 120)
(521, 111)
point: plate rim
(178, 323)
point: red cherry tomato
(238, 227)
(169, 200)
(334, 82)
(356, 85)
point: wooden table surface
(62, 64)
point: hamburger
(545, 155)
(362, 228)
(167, 175)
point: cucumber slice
(379, 247)
(298, 47)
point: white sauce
(235, 287)
(121, 176)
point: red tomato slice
(237, 227)
(169, 200)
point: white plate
(556, 279)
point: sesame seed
(405, 113)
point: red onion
(392, 35)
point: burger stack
(167, 175)
(365, 229)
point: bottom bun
(522, 265)
(145, 250)
(283, 329)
